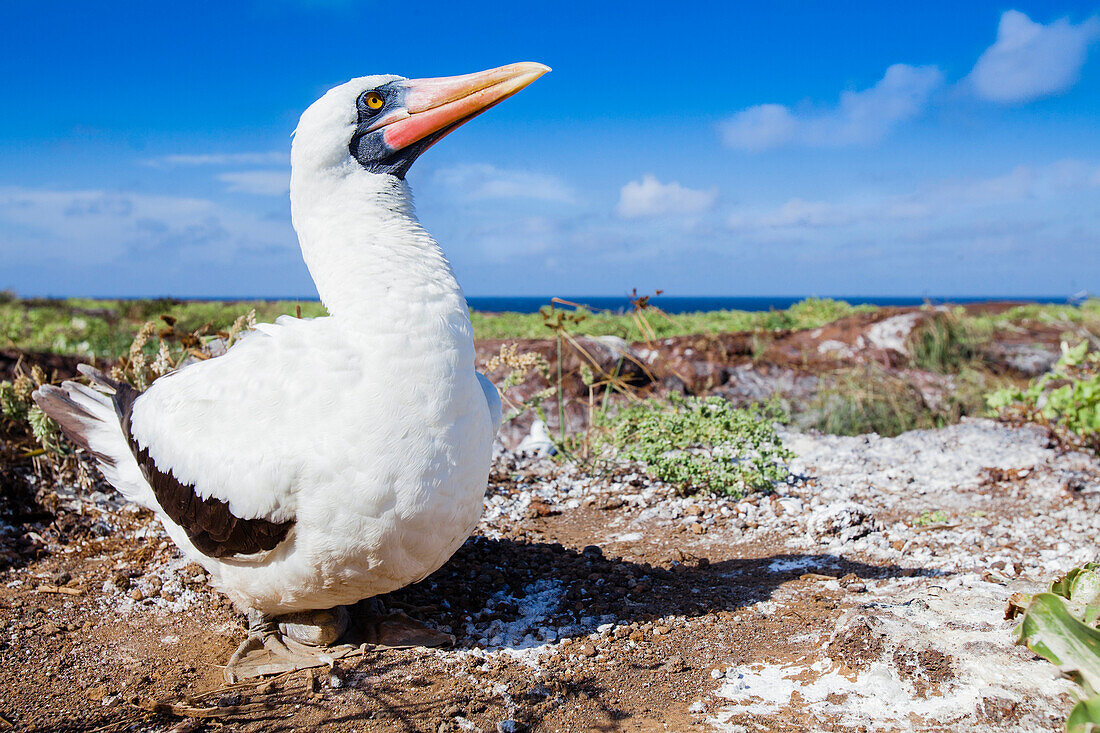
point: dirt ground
(865, 595)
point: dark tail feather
(73, 418)
(98, 378)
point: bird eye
(373, 100)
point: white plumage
(369, 430)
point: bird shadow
(503, 594)
(511, 595)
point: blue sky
(779, 148)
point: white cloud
(263, 183)
(650, 197)
(89, 227)
(220, 159)
(483, 182)
(1030, 60)
(859, 117)
(959, 204)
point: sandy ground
(867, 594)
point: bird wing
(492, 398)
(218, 441)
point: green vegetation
(1063, 626)
(19, 414)
(104, 329)
(944, 344)
(701, 444)
(1072, 318)
(872, 400)
(1066, 399)
(809, 313)
(926, 519)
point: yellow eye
(374, 100)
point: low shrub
(1066, 399)
(701, 444)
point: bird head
(382, 123)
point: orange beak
(434, 106)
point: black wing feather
(212, 528)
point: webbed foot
(288, 643)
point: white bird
(323, 461)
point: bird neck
(373, 263)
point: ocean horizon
(693, 304)
(683, 303)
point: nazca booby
(323, 461)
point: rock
(511, 726)
(231, 700)
(95, 694)
(540, 508)
(538, 443)
(674, 663)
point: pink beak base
(432, 105)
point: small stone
(697, 528)
(613, 502)
(674, 663)
(636, 635)
(693, 510)
(661, 630)
(587, 651)
(511, 726)
(453, 711)
(540, 508)
(95, 694)
(168, 596)
(229, 701)
(137, 594)
(120, 581)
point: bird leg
(287, 643)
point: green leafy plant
(1061, 626)
(1066, 399)
(18, 409)
(701, 444)
(938, 516)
